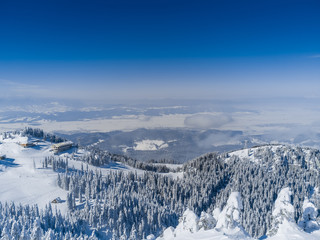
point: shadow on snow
(115, 166)
(8, 162)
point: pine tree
(36, 233)
(15, 231)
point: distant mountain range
(172, 145)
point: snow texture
(227, 227)
(150, 145)
(22, 178)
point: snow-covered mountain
(267, 192)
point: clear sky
(113, 49)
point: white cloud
(220, 139)
(206, 121)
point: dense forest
(130, 204)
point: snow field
(20, 182)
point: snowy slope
(253, 154)
(24, 180)
(272, 154)
(20, 181)
(73, 158)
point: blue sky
(104, 50)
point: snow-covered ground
(117, 166)
(24, 180)
(150, 145)
(23, 183)
(250, 154)
(225, 224)
(105, 169)
(275, 153)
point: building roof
(62, 144)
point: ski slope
(22, 178)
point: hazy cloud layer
(220, 139)
(291, 121)
(12, 89)
(207, 121)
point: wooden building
(60, 147)
(28, 144)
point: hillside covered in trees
(136, 200)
